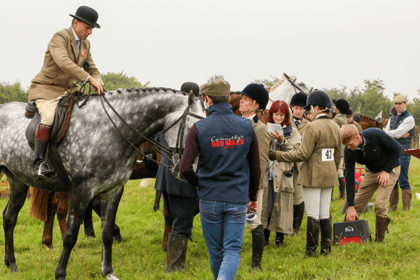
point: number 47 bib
(327, 154)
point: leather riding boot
(381, 227)
(326, 236)
(298, 211)
(257, 246)
(312, 237)
(393, 200)
(177, 252)
(342, 188)
(41, 168)
(406, 199)
(266, 236)
(332, 192)
(279, 239)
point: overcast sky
(324, 43)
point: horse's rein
(159, 147)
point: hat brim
(85, 21)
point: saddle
(61, 120)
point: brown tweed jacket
(320, 134)
(60, 69)
(264, 139)
(302, 125)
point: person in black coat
(180, 199)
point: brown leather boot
(381, 227)
(393, 200)
(406, 199)
(41, 168)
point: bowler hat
(258, 93)
(342, 105)
(87, 15)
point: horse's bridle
(295, 86)
(159, 147)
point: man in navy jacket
(228, 176)
(380, 153)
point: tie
(297, 123)
(78, 47)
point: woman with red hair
(277, 210)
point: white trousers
(317, 202)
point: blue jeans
(223, 227)
(403, 178)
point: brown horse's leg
(49, 223)
(62, 210)
(168, 222)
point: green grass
(140, 256)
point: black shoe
(279, 239)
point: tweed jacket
(264, 139)
(340, 120)
(319, 135)
(60, 69)
(302, 125)
(356, 124)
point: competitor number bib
(327, 154)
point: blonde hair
(349, 131)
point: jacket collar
(220, 109)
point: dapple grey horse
(97, 158)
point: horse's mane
(147, 89)
(277, 84)
(362, 116)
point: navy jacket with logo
(228, 164)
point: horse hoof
(12, 267)
(90, 235)
(48, 247)
(119, 239)
(111, 276)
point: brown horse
(366, 122)
(46, 204)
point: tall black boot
(342, 187)
(257, 246)
(312, 237)
(298, 211)
(326, 235)
(177, 252)
(266, 236)
(41, 168)
(279, 239)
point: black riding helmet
(318, 98)
(258, 93)
(299, 99)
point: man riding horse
(68, 51)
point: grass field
(140, 256)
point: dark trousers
(182, 211)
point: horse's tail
(39, 204)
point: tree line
(369, 100)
